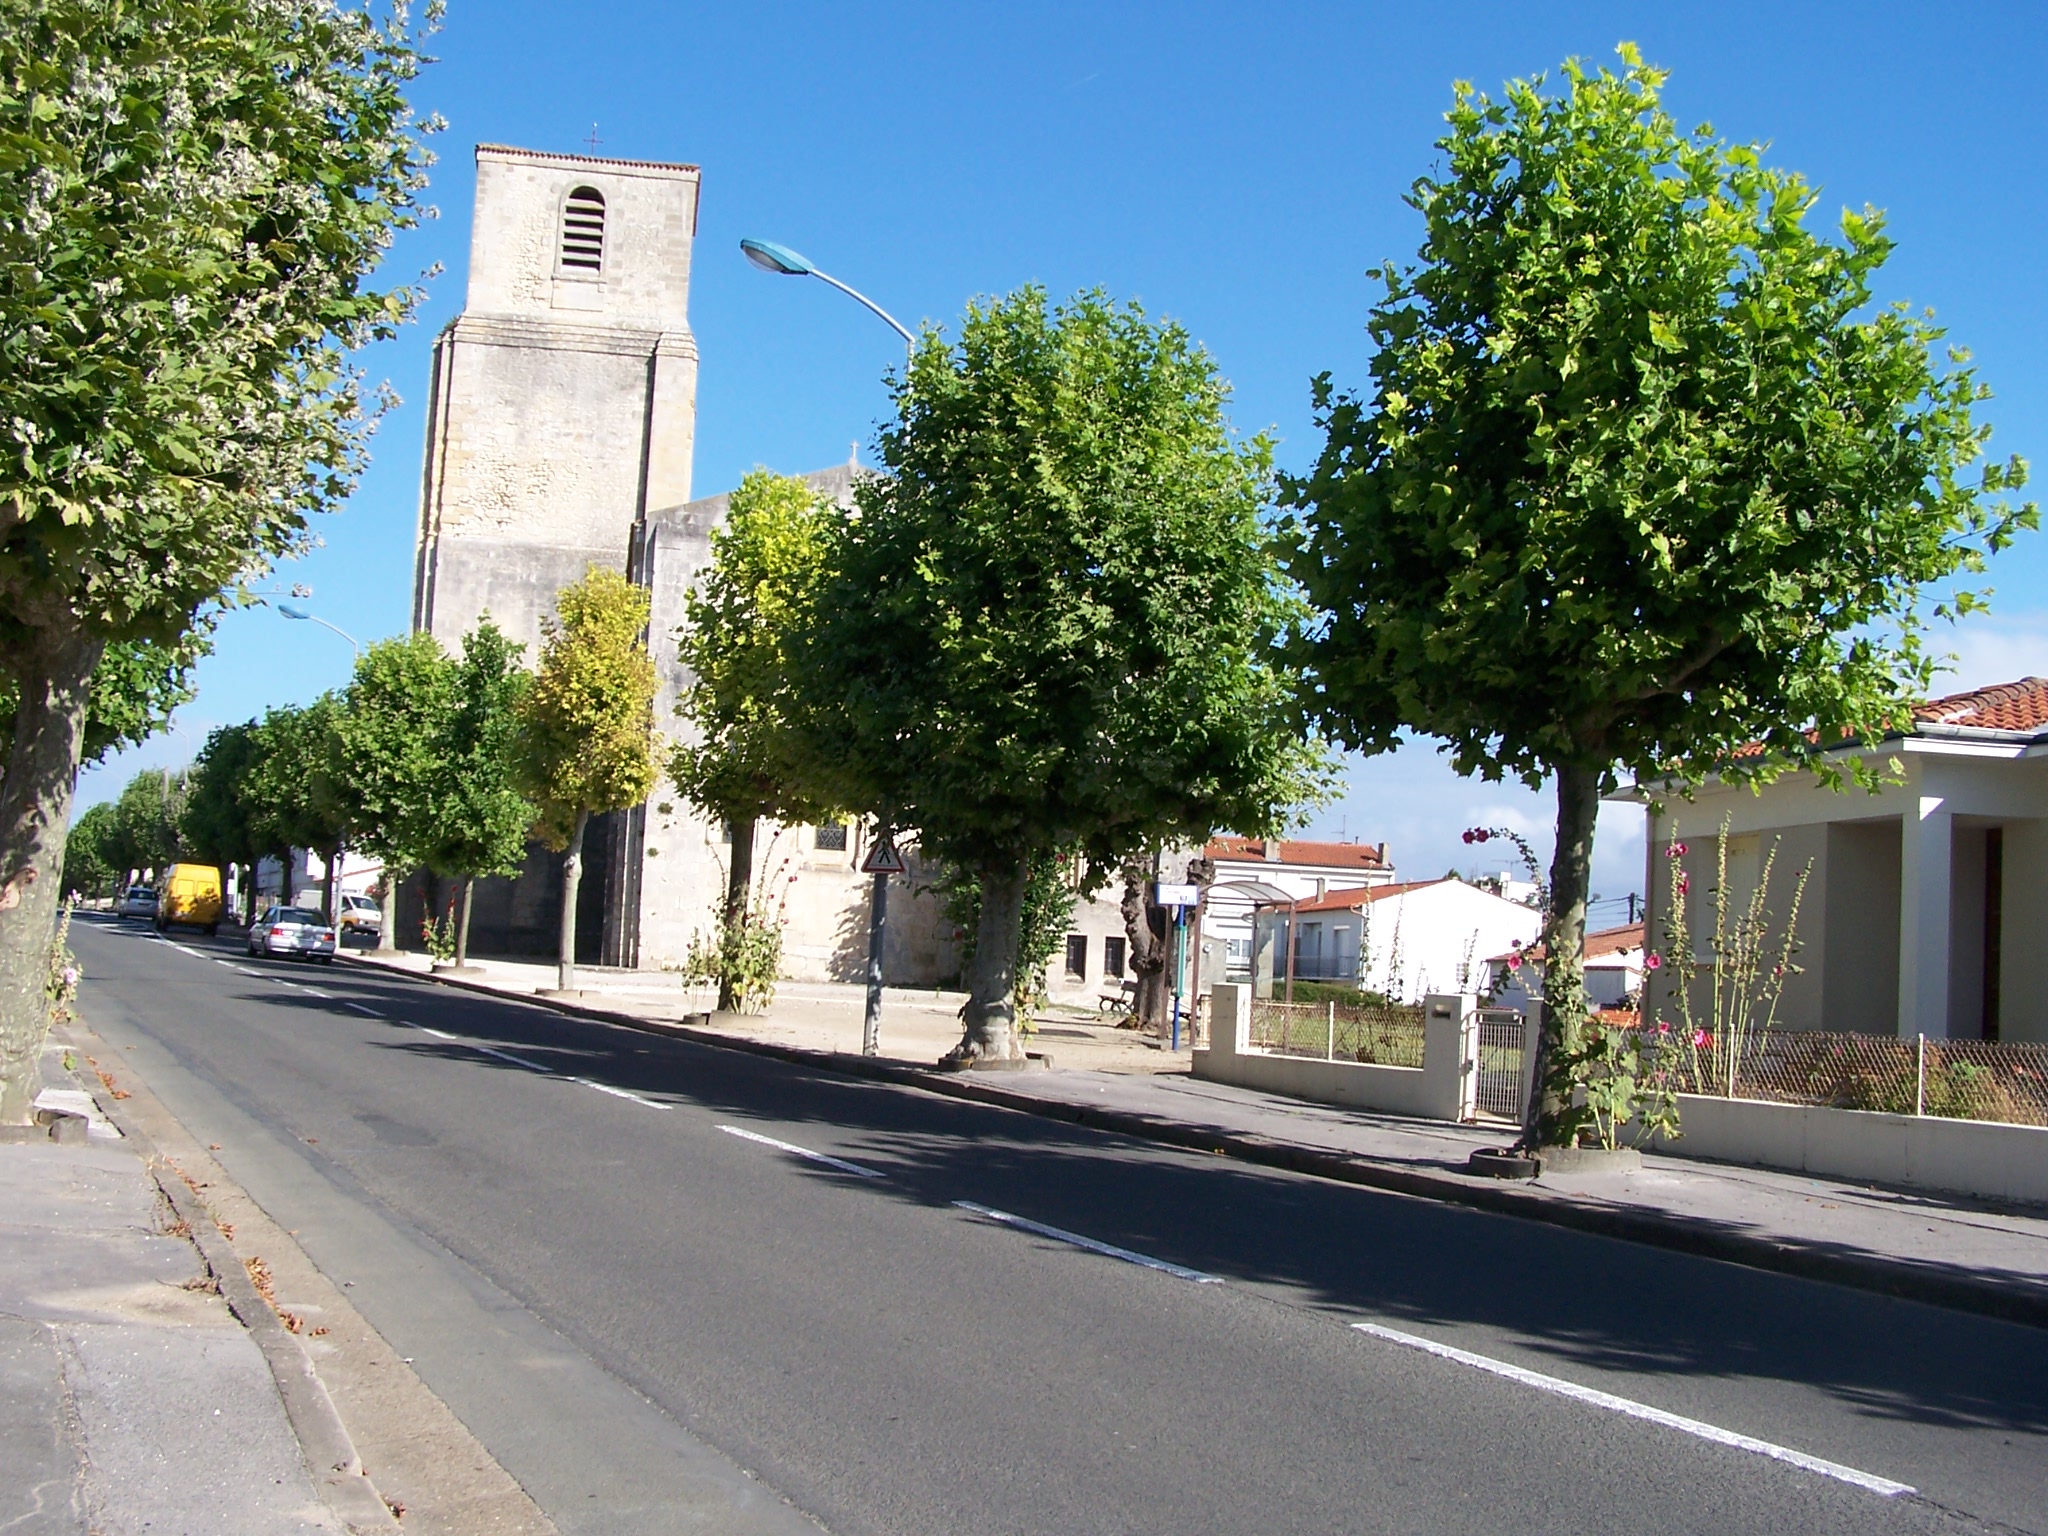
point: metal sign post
(882, 861)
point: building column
(1926, 835)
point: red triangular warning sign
(883, 859)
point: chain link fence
(1957, 1079)
(1384, 1036)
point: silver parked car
(298, 931)
(137, 901)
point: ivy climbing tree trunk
(739, 883)
(991, 1012)
(572, 881)
(1552, 1117)
(54, 682)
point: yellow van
(188, 894)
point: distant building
(1613, 967)
(1254, 870)
(1400, 940)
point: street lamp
(291, 611)
(783, 262)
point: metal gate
(1501, 1079)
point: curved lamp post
(783, 262)
(291, 611)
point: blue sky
(1237, 168)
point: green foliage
(1631, 1079)
(88, 858)
(294, 786)
(1643, 478)
(135, 688)
(60, 980)
(221, 818)
(1053, 623)
(747, 759)
(479, 820)
(438, 936)
(742, 955)
(146, 817)
(396, 714)
(587, 724)
(196, 193)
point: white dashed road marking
(517, 1061)
(1107, 1250)
(1878, 1485)
(797, 1151)
(359, 1008)
(618, 1093)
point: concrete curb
(2008, 1301)
(324, 1442)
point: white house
(1255, 870)
(1926, 903)
(1400, 940)
(1613, 963)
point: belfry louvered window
(583, 230)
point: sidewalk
(133, 1399)
(1950, 1252)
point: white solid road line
(1878, 1485)
(618, 1093)
(1107, 1250)
(797, 1151)
(438, 1034)
(359, 1008)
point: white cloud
(1993, 648)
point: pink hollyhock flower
(1701, 1039)
(1664, 1027)
(1514, 962)
(1468, 834)
(1653, 962)
(1684, 884)
(1675, 851)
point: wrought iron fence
(1383, 1036)
(1499, 1081)
(1958, 1079)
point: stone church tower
(564, 397)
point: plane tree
(1050, 633)
(1645, 483)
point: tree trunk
(284, 877)
(1553, 1119)
(387, 928)
(35, 816)
(572, 878)
(1145, 928)
(462, 926)
(333, 858)
(739, 885)
(991, 1011)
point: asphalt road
(629, 1303)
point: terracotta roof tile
(2018, 706)
(1294, 851)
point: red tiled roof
(1293, 851)
(1604, 941)
(1351, 898)
(2020, 706)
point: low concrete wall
(1440, 1089)
(1971, 1157)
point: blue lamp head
(292, 612)
(779, 259)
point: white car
(298, 931)
(137, 901)
(359, 914)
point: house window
(583, 230)
(830, 839)
(1077, 955)
(1113, 957)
